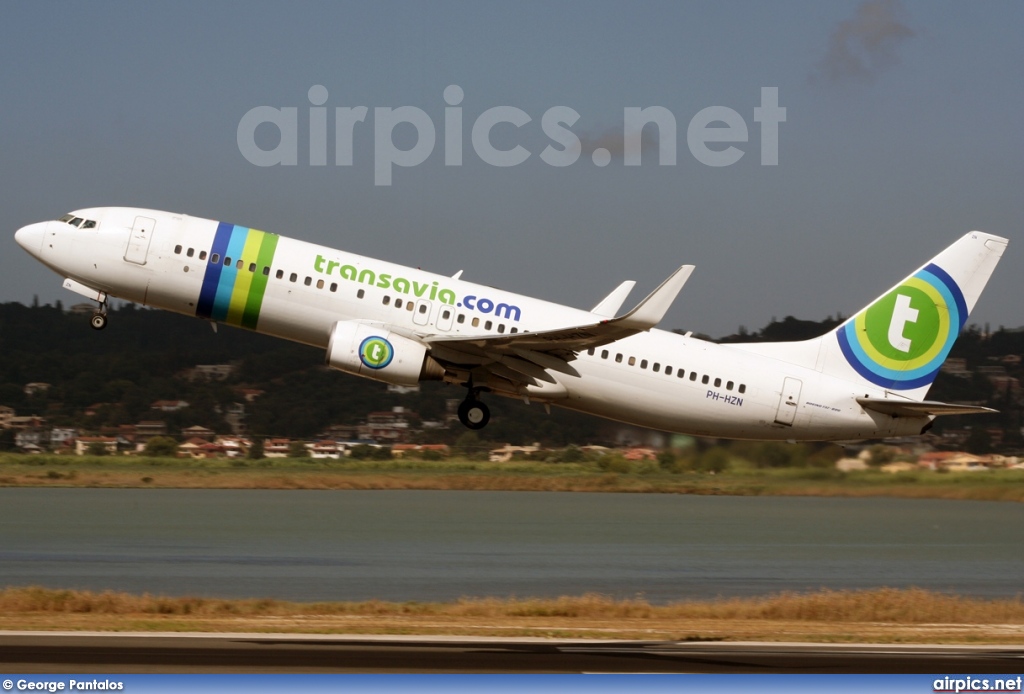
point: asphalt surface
(39, 652)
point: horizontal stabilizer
(923, 408)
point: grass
(883, 615)
(461, 474)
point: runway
(70, 652)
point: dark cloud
(614, 141)
(862, 48)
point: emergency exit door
(789, 400)
(138, 242)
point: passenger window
(215, 258)
(446, 314)
(227, 261)
(643, 363)
(476, 323)
(202, 255)
(320, 284)
(668, 370)
(190, 252)
(359, 295)
(252, 267)
(718, 383)
(705, 379)
(693, 375)
(514, 330)
(728, 386)
(618, 358)
(177, 249)
(632, 361)
(682, 372)
(408, 306)
(239, 264)
(604, 354)
(591, 351)
(398, 303)
(743, 388)
(501, 327)
(293, 277)
(308, 281)
(487, 325)
(334, 286)
(266, 271)
(386, 300)
(423, 307)
(280, 274)
(461, 318)
(656, 368)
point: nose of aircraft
(31, 237)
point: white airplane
(866, 379)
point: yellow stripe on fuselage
(243, 281)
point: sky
(902, 132)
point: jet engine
(374, 352)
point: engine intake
(374, 352)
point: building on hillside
(31, 437)
(898, 466)
(62, 436)
(250, 394)
(413, 449)
(28, 422)
(277, 448)
(507, 452)
(82, 444)
(341, 432)
(321, 450)
(193, 448)
(6, 415)
(851, 464)
(147, 429)
(169, 405)
(197, 431)
(208, 372)
(36, 388)
(234, 446)
(234, 416)
(956, 366)
(640, 453)
(386, 427)
(94, 409)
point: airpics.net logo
(712, 134)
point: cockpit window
(79, 222)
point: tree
(96, 448)
(161, 447)
(255, 450)
(297, 449)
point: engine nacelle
(374, 352)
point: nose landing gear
(98, 321)
(473, 413)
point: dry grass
(885, 615)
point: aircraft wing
(923, 408)
(525, 358)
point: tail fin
(901, 339)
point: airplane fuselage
(299, 291)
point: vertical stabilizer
(901, 339)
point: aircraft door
(138, 242)
(445, 318)
(421, 314)
(789, 400)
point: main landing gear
(98, 321)
(473, 413)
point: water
(437, 545)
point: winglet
(611, 304)
(649, 312)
